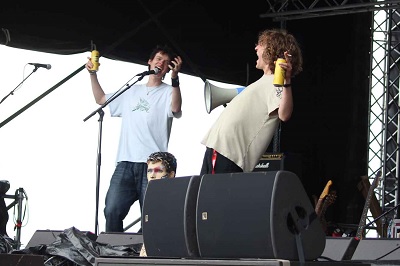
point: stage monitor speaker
(21, 260)
(119, 239)
(169, 217)
(43, 237)
(215, 96)
(377, 249)
(339, 248)
(257, 215)
(47, 237)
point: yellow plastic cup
(279, 75)
(95, 60)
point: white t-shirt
(146, 121)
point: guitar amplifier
(280, 161)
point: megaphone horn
(215, 96)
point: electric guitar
(363, 219)
(328, 201)
(325, 192)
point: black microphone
(47, 66)
(149, 72)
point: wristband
(287, 85)
(175, 82)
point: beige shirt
(245, 128)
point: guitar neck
(364, 215)
(366, 207)
(325, 205)
(318, 207)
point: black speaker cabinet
(47, 237)
(378, 249)
(169, 217)
(43, 237)
(21, 260)
(339, 248)
(119, 239)
(257, 215)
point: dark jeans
(128, 184)
(222, 164)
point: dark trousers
(222, 164)
(4, 186)
(3, 216)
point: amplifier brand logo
(262, 165)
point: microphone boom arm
(41, 96)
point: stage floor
(271, 262)
(338, 251)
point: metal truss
(383, 130)
(384, 108)
(282, 10)
(378, 114)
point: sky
(49, 152)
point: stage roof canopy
(216, 42)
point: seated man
(159, 165)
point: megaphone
(215, 96)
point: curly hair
(166, 158)
(276, 43)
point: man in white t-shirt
(147, 111)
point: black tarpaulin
(73, 247)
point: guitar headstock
(325, 192)
(376, 180)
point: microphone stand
(380, 216)
(12, 92)
(101, 114)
